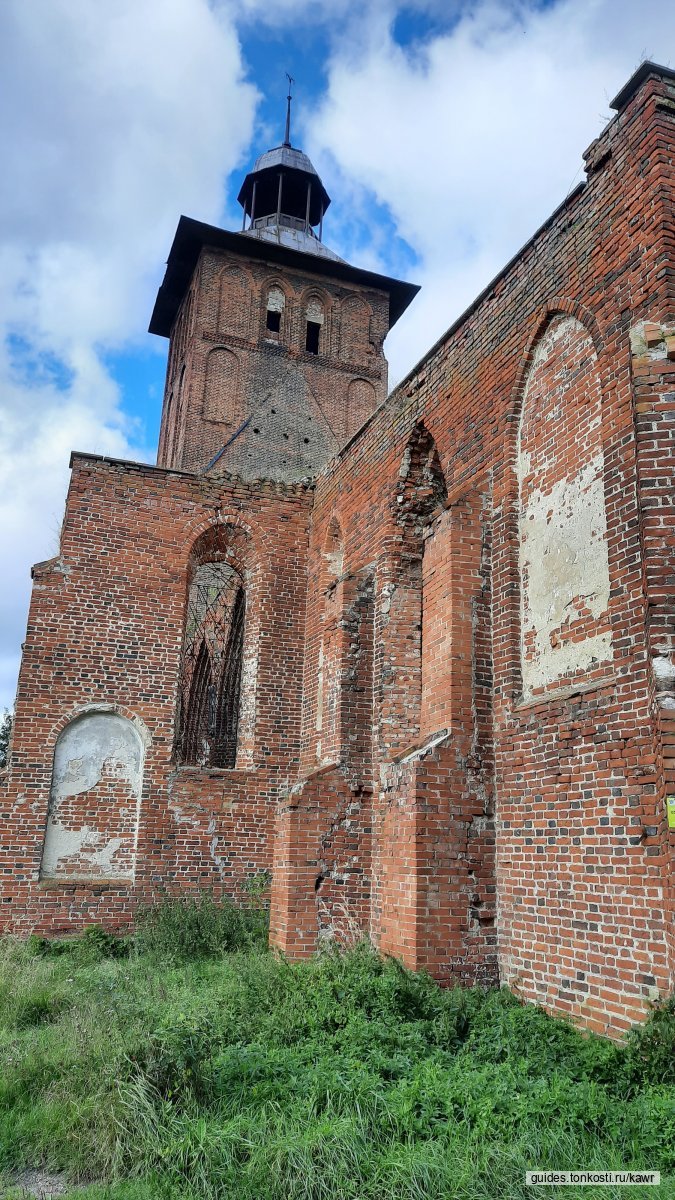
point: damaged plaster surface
(564, 563)
(94, 801)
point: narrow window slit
(312, 339)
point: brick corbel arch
(100, 706)
(555, 307)
(269, 283)
(259, 540)
(312, 292)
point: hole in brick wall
(306, 441)
(256, 431)
(286, 437)
(273, 320)
(312, 337)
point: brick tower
(276, 343)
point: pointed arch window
(210, 689)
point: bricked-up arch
(92, 820)
(420, 495)
(222, 400)
(564, 571)
(217, 681)
(329, 674)
(355, 330)
(234, 308)
(361, 399)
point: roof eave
(192, 237)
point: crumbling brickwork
(456, 729)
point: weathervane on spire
(287, 136)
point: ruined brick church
(411, 656)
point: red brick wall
(574, 776)
(104, 634)
(457, 744)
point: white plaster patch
(319, 694)
(63, 843)
(564, 567)
(99, 749)
(315, 312)
(664, 670)
(86, 744)
(565, 572)
(276, 301)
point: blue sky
(444, 133)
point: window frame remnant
(211, 669)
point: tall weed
(213, 1073)
(184, 927)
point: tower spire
(287, 135)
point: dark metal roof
(643, 72)
(289, 233)
(285, 156)
(299, 176)
(192, 236)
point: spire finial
(287, 136)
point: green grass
(191, 1063)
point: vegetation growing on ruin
(192, 1063)
(5, 735)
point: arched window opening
(276, 302)
(210, 691)
(313, 326)
(421, 489)
(415, 598)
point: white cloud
(473, 136)
(121, 116)
(118, 117)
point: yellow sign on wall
(670, 806)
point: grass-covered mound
(191, 1063)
